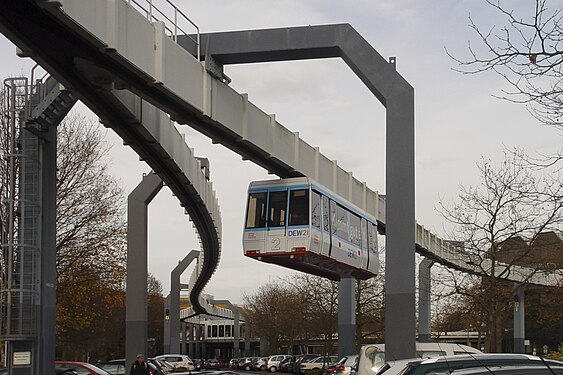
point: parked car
(162, 366)
(318, 363)
(261, 364)
(287, 364)
(63, 371)
(180, 362)
(246, 363)
(343, 366)
(296, 368)
(372, 356)
(274, 361)
(212, 364)
(455, 362)
(511, 370)
(118, 367)
(82, 368)
(233, 363)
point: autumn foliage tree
(91, 239)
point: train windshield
(256, 210)
(299, 207)
(271, 208)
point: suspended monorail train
(299, 224)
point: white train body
(299, 224)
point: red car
(82, 368)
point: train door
(298, 227)
(255, 226)
(326, 237)
(316, 242)
(276, 222)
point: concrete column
(519, 321)
(137, 264)
(236, 334)
(167, 325)
(198, 341)
(400, 314)
(175, 300)
(46, 344)
(191, 338)
(424, 287)
(184, 346)
(346, 316)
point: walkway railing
(171, 16)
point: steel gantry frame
(397, 95)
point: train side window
(333, 217)
(342, 218)
(256, 210)
(372, 237)
(355, 232)
(364, 234)
(277, 208)
(316, 210)
(299, 207)
(326, 215)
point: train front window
(299, 207)
(256, 211)
(277, 208)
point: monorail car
(299, 224)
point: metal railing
(171, 18)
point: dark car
(117, 367)
(162, 367)
(287, 364)
(465, 361)
(81, 368)
(212, 364)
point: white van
(372, 356)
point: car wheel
(273, 369)
(247, 368)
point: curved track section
(75, 61)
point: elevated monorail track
(104, 49)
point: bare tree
(370, 310)
(278, 313)
(91, 226)
(512, 203)
(527, 51)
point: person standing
(139, 367)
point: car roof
(516, 369)
(481, 356)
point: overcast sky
(457, 119)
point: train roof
(296, 181)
